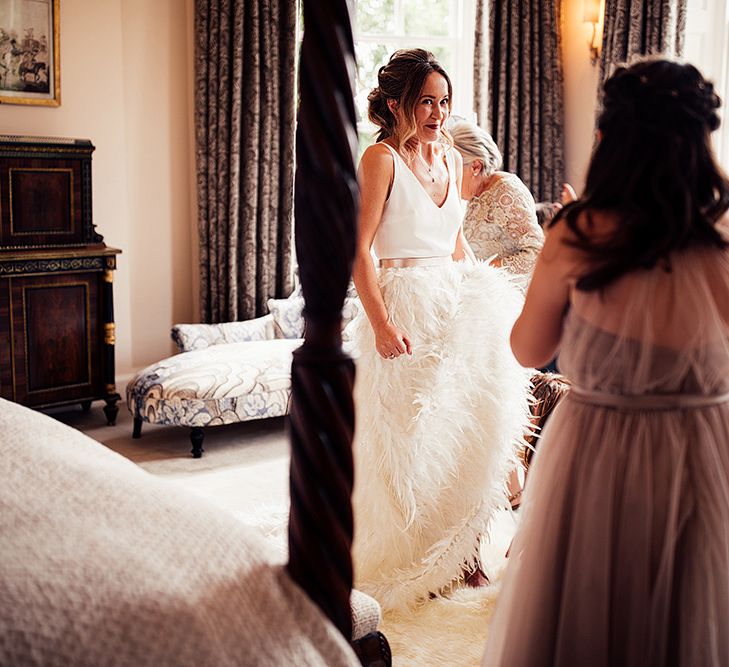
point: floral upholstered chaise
(226, 373)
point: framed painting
(30, 67)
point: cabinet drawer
(55, 338)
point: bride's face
(432, 108)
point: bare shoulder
(376, 167)
(376, 156)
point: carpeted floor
(244, 465)
(245, 471)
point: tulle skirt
(622, 555)
(437, 431)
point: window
(707, 23)
(444, 27)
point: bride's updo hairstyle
(654, 168)
(402, 79)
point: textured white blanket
(103, 564)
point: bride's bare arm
(463, 249)
(376, 173)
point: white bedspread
(103, 564)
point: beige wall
(157, 93)
(126, 85)
(580, 82)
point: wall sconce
(593, 12)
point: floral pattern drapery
(525, 101)
(641, 27)
(244, 135)
(480, 65)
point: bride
(441, 402)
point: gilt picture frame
(30, 66)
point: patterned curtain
(480, 64)
(641, 27)
(244, 127)
(526, 92)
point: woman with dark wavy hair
(622, 556)
(441, 401)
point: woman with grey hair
(501, 219)
(500, 223)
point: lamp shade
(591, 11)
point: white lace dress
(502, 222)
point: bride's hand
(391, 341)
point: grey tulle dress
(622, 555)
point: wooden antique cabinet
(56, 278)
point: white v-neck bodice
(412, 224)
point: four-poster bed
(104, 564)
(322, 410)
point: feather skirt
(437, 431)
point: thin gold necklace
(427, 166)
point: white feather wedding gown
(436, 431)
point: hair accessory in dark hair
(653, 170)
(660, 96)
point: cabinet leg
(85, 406)
(111, 410)
(137, 430)
(196, 438)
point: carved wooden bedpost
(322, 412)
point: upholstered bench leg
(196, 438)
(137, 430)
(111, 410)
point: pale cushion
(222, 384)
(104, 564)
(366, 614)
(350, 310)
(228, 372)
(199, 336)
(288, 316)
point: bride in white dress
(441, 402)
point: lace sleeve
(517, 216)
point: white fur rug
(449, 631)
(444, 631)
(246, 465)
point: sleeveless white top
(412, 224)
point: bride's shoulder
(377, 152)
(377, 161)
